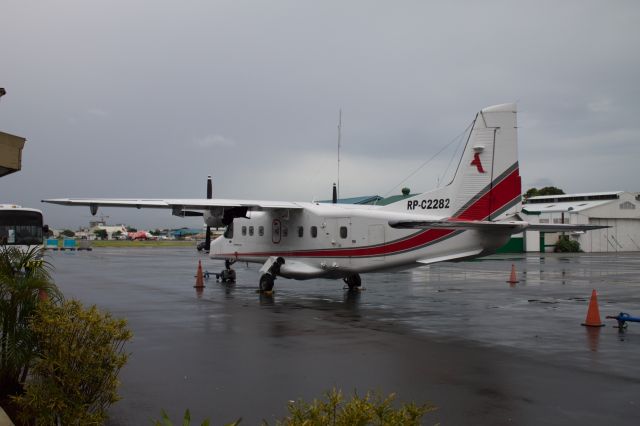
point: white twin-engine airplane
(472, 216)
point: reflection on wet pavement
(311, 332)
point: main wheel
(353, 281)
(266, 282)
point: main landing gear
(269, 271)
(353, 281)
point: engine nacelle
(220, 217)
(213, 218)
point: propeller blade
(207, 238)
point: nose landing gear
(228, 275)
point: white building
(111, 229)
(620, 210)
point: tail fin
(486, 185)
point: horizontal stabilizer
(517, 226)
(559, 227)
(486, 225)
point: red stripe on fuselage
(492, 201)
(497, 197)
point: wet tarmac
(457, 335)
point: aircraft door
(276, 231)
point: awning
(10, 153)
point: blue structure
(69, 244)
(183, 232)
(51, 244)
(622, 319)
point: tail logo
(476, 162)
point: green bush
(186, 420)
(565, 245)
(68, 233)
(372, 409)
(101, 234)
(74, 379)
(23, 276)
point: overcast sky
(146, 98)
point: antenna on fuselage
(207, 237)
(339, 140)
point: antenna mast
(339, 140)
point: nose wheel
(228, 275)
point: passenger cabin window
(300, 231)
(244, 231)
(343, 232)
(251, 231)
(314, 231)
(228, 233)
(261, 230)
(285, 231)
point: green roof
(372, 199)
(394, 199)
(366, 199)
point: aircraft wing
(514, 225)
(173, 204)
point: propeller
(207, 238)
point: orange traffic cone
(199, 276)
(593, 314)
(513, 279)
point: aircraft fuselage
(337, 240)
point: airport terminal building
(618, 209)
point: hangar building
(618, 209)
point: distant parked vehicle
(21, 227)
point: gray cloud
(214, 141)
(139, 99)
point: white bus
(20, 227)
